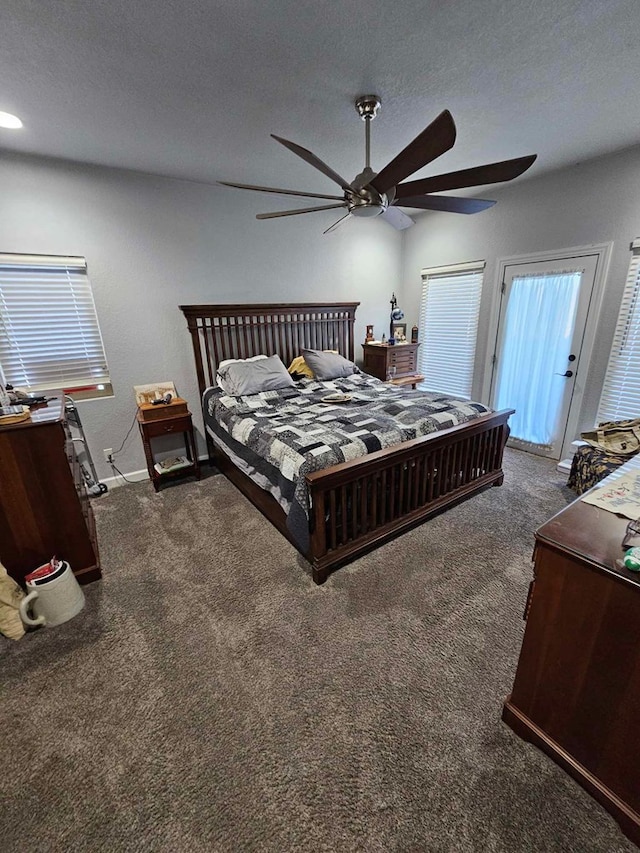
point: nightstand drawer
(168, 426)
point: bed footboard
(358, 505)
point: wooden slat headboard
(242, 331)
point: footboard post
(318, 537)
(504, 436)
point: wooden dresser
(576, 693)
(44, 508)
(378, 358)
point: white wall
(152, 244)
(593, 202)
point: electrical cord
(119, 450)
(115, 468)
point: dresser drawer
(401, 358)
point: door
(543, 314)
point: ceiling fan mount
(368, 106)
(383, 193)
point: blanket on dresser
(278, 437)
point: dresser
(576, 693)
(378, 358)
(44, 508)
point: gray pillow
(251, 377)
(328, 365)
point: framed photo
(147, 393)
(400, 331)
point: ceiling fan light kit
(373, 194)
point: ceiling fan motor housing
(364, 200)
(367, 203)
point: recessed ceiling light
(8, 120)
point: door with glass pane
(542, 321)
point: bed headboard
(241, 331)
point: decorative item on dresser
(395, 318)
(359, 504)
(44, 507)
(168, 418)
(576, 692)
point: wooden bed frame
(360, 504)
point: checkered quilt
(284, 435)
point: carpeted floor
(211, 698)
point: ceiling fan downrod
(367, 107)
(365, 202)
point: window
(49, 332)
(449, 312)
(621, 391)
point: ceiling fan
(382, 193)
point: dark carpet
(211, 698)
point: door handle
(567, 373)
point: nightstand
(169, 424)
(378, 358)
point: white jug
(56, 598)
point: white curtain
(539, 324)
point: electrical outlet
(108, 454)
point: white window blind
(449, 312)
(621, 391)
(49, 333)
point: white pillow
(234, 361)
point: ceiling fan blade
(314, 161)
(491, 173)
(394, 216)
(449, 203)
(434, 140)
(335, 224)
(299, 210)
(282, 192)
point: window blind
(49, 332)
(449, 312)
(621, 390)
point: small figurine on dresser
(397, 315)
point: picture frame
(148, 393)
(400, 331)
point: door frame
(603, 251)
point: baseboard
(564, 466)
(132, 477)
(136, 476)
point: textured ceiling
(192, 88)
